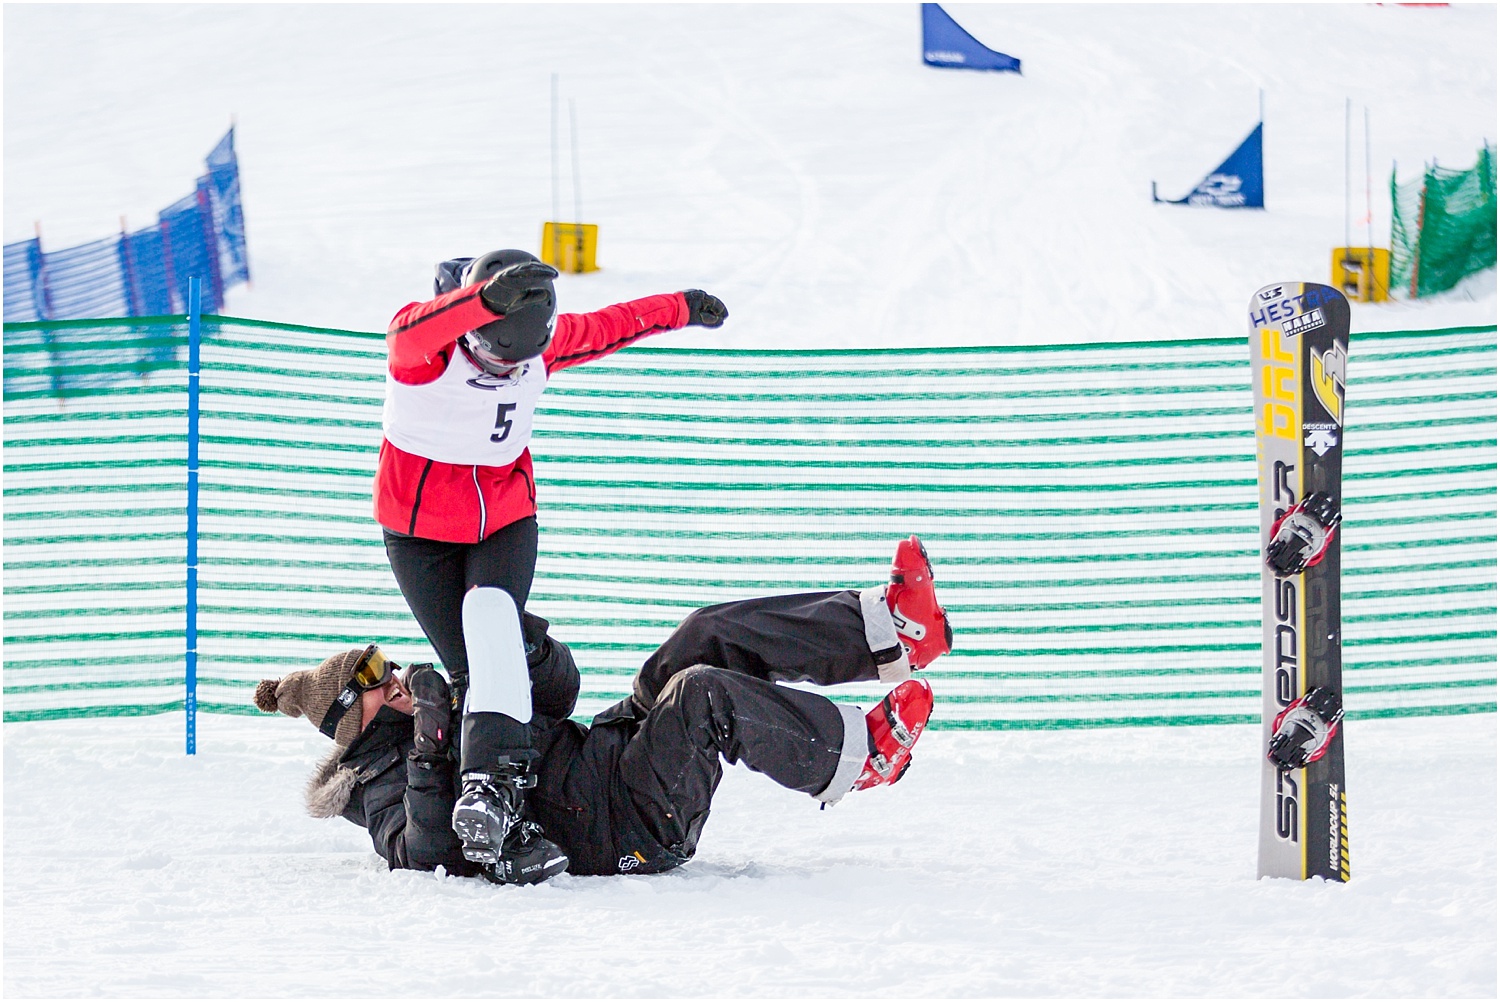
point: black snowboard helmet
(521, 334)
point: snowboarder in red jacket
(454, 489)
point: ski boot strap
(903, 736)
(516, 778)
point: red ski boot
(894, 725)
(920, 622)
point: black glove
(433, 714)
(705, 310)
(517, 287)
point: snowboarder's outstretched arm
(583, 337)
(420, 339)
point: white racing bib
(466, 416)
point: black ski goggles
(372, 671)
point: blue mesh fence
(144, 273)
(23, 263)
(83, 280)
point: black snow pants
(818, 637)
(434, 576)
(707, 696)
(707, 716)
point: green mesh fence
(1442, 226)
(1090, 511)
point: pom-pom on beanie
(310, 693)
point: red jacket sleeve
(582, 337)
(420, 339)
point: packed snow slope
(799, 161)
(1116, 863)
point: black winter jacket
(403, 799)
(582, 804)
(406, 801)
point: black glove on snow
(705, 310)
(517, 287)
(433, 714)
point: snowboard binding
(1300, 538)
(1301, 734)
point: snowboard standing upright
(1299, 344)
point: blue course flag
(1237, 183)
(946, 44)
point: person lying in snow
(631, 792)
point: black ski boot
(527, 856)
(496, 772)
(487, 809)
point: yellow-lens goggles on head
(373, 669)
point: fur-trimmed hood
(375, 749)
(330, 786)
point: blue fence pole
(190, 701)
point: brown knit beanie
(310, 693)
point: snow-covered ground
(800, 162)
(797, 160)
(1105, 863)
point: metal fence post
(190, 700)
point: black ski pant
(709, 694)
(434, 576)
(817, 637)
(707, 716)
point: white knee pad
(499, 681)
